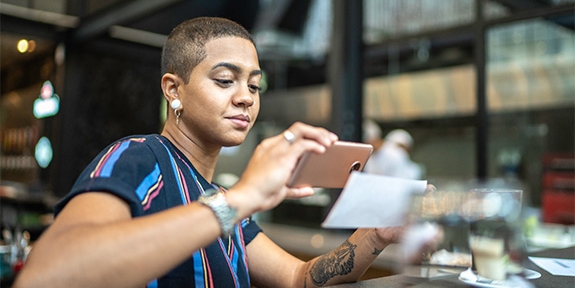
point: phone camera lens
(355, 166)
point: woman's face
(221, 100)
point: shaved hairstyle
(185, 46)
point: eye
(254, 88)
(224, 82)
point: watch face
(226, 214)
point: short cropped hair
(185, 47)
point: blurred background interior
(485, 87)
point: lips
(242, 121)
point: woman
(124, 225)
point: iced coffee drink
(489, 257)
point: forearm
(126, 253)
(347, 263)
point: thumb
(295, 193)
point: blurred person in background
(391, 155)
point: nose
(244, 97)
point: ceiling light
(22, 46)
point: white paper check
(369, 200)
(556, 266)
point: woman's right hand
(263, 184)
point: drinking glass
(495, 237)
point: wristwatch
(226, 214)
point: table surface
(451, 279)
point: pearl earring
(176, 104)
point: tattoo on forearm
(338, 262)
(376, 251)
(305, 277)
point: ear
(170, 84)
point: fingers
(430, 189)
(391, 234)
(301, 132)
(300, 137)
(266, 180)
(289, 136)
(295, 193)
(420, 238)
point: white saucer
(471, 278)
(530, 274)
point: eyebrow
(236, 68)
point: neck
(203, 158)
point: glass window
(530, 98)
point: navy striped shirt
(152, 175)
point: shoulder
(132, 144)
(119, 169)
(125, 155)
(135, 141)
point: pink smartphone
(332, 168)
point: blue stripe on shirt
(109, 166)
(198, 270)
(148, 182)
(153, 284)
